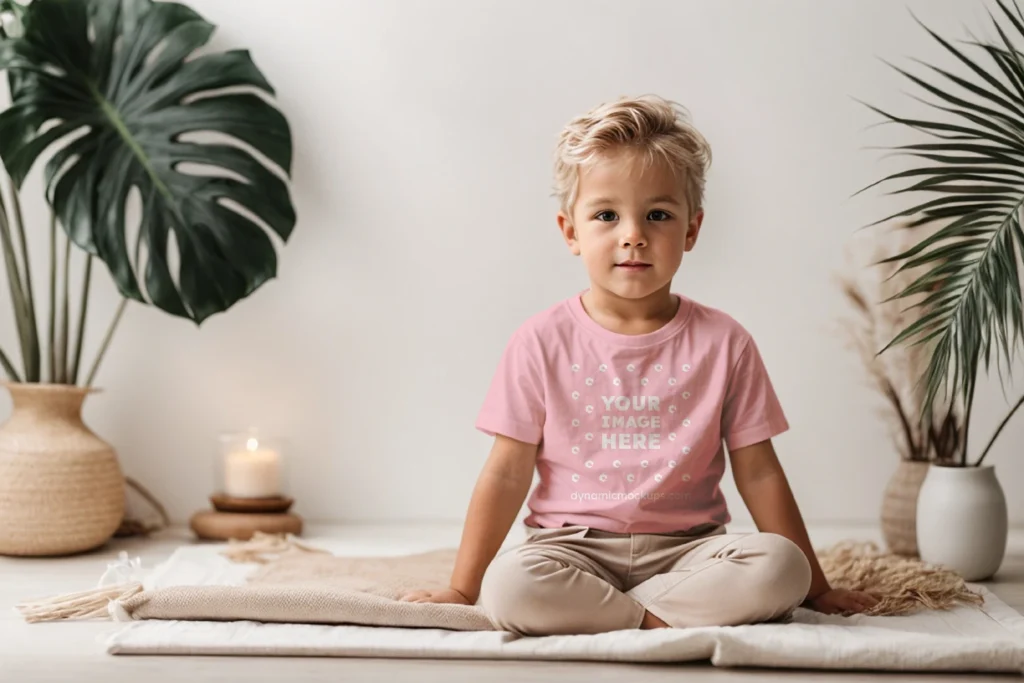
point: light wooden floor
(74, 651)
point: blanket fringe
(902, 584)
(91, 604)
(104, 602)
(263, 548)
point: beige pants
(575, 579)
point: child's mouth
(633, 266)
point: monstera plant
(165, 162)
(111, 97)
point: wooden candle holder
(240, 518)
(225, 503)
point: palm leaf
(971, 182)
(115, 83)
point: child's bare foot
(651, 621)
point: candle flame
(251, 444)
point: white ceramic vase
(962, 520)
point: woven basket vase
(61, 487)
(899, 507)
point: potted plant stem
(919, 438)
(969, 167)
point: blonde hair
(648, 125)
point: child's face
(623, 216)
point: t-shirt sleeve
(752, 412)
(514, 405)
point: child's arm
(497, 498)
(762, 484)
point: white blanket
(962, 639)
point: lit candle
(252, 473)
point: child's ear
(693, 230)
(568, 231)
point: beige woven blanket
(298, 584)
(317, 588)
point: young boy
(624, 398)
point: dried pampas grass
(869, 287)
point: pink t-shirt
(631, 427)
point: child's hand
(842, 601)
(444, 595)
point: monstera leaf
(114, 89)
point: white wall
(426, 234)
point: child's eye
(656, 215)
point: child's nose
(632, 236)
